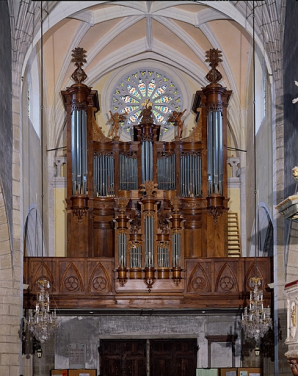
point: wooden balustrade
(83, 283)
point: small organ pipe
(135, 257)
(112, 193)
(104, 180)
(122, 250)
(173, 172)
(176, 249)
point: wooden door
(173, 357)
(123, 357)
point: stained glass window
(141, 86)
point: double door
(175, 357)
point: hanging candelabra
(42, 323)
(256, 320)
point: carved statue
(295, 173)
(295, 100)
(176, 118)
(146, 114)
(293, 315)
(115, 119)
(294, 366)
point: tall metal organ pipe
(79, 152)
(147, 161)
(214, 153)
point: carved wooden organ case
(148, 204)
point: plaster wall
(60, 222)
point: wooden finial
(79, 58)
(213, 57)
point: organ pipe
(176, 247)
(162, 256)
(166, 171)
(214, 153)
(103, 176)
(122, 249)
(136, 257)
(128, 173)
(79, 152)
(191, 175)
(149, 241)
(147, 161)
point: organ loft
(147, 219)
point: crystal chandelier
(42, 323)
(256, 320)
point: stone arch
(262, 240)
(34, 244)
(265, 227)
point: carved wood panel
(92, 282)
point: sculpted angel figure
(115, 120)
(176, 118)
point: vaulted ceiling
(170, 34)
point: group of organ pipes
(149, 204)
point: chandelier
(256, 319)
(43, 322)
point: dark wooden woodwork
(78, 283)
(187, 227)
(129, 357)
(175, 357)
(123, 358)
(91, 229)
(80, 211)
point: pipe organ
(147, 204)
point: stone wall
(6, 130)
(90, 330)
